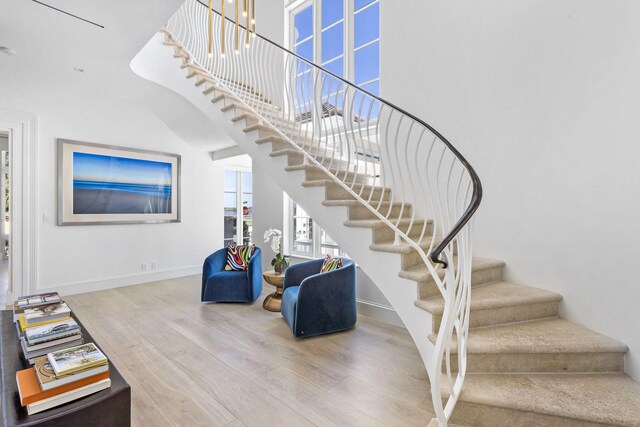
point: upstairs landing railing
(394, 164)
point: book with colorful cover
(31, 353)
(46, 312)
(30, 301)
(51, 331)
(49, 380)
(69, 396)
(22, 324)
(35, 300)
(36, 400)
(75, 359)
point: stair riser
(201, 81)
(264, 132)
(414, 259)
(386, 235)
(220, 99)
(236, 108)
(336, 192)
(393, 213)
(476, 414)
(428, 289)
(297, 159)
(502, 315)
(278, 145)
(349, 178)
(178, 53)
(541, 362)
(210, 91)
(246, 120)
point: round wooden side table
(273, 302)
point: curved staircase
(523, 364)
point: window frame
(316, 235)
(349, 49)
(239, 236)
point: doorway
(5, 219)
(21, 130)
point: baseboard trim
(377, 311)
(120, 281)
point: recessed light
(7, 50)
(80, 70)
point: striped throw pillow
(330, 263)
(238, 257)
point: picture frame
(106, 184)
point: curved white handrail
(397, 166)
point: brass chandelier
(248, 12)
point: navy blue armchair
(315, 303)
(231, 286)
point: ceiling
(50, 44)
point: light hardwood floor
(192, 364)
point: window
(238, 207)
(305, 238)
(366, 45)
(343, 36)
(301, 231)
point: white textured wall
(542, 97)
(80, 258)
(267, 209)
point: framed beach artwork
(103, 184)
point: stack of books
(40, 340)
(63, 376)
(31, 301)
(44, 325)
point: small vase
(279, 268)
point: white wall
(267, 209)
(83, 258)
(542, 98)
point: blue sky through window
(359, 4)
(303, 23)
(305, 50)
(367, 25)
(332, 55)
(229, 180)
(332, 11)
(336, 66)
(367, 63)
(332, 42)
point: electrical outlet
(153, 265)
(143, 267)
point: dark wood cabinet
(110, 407)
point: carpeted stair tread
(539, 336)
(377, 223)
(495, 295)
(610, 399)
(327, 182)
(401, 248)
(421, 273)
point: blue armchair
(315, 303)
(231, 286)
